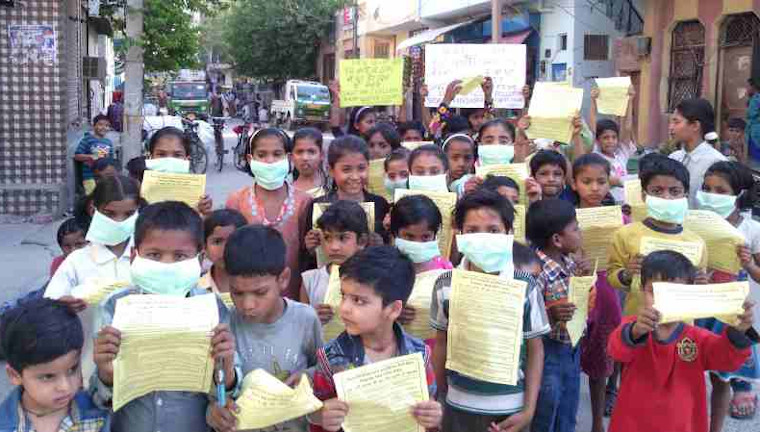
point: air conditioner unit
(94, 68)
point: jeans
(557, 404)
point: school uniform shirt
(482, 397)
(697, 162)
(315, 284)
(91, 145)
(83, 415)
(663, 383)
(284, 347)
(625, 245)
(162, 411)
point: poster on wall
(32, 44)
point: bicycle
(218, 125)
(241, 149)
(198, 156)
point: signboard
(369, 82)
(32, 44)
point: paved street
(26, 250)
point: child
(271, 200)
(104, 167)
(415, 223)
(217, 228)
(552, 229)
(460, 152)
(42, 343)
(396, 170)
(271, 332)
(735, 148)
(663, 386)
(308, 173)
(375, 284)
(728, 190)
(428, 169)
(360, 121)
(348, 160)
(549, 169)
(665, 187)
(412, 131)
(168, 243)
(92, 147)
(504, 186)
(496, 143)
(344, 232)
(484, 218)
(591, 183)
(169, 150)
(70, 237)
(382, 139)
(136, 168)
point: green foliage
(278, 39)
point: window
(596, 47)
(328, 68)
(563, 42)
(687, 58)
(382, 49)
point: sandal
(610, 398)
(743, 406)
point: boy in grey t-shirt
(271, 332)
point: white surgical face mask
(168, 165)
(667, 210)
(490, 252)
(418, 252)
(721, 204)
(270, 176)
(392, 185)
(433, 183)
(495, 154)
(106, 231)
(175, 279)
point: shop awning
(429, 36)
(516, 38)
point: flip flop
(741, 409)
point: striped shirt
(554, 284)
(481, 397)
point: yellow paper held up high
(551, 111)
(265, 401)
(470, 84)
(333, 297)
(485, 326)
(579, 293)
(95, 290)
(519, 172)
(597, 226)
(691, 250)
(380, 395)
(445, 201)
(319, 208)
(613, 95)
(371, 82)
(165, 345)
(721, 238)
(677, 302)
(375, 179)
(188, 188)
(420, 299)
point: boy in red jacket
(663, 385)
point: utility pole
(356, 29)
(495, 21)
(131, 138)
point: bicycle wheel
(219, 160)
(198, 157)
(239, 156)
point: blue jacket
(86, 415)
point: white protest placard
(504, 63)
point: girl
(348, 162)
(308, 173)
(591, 175)
(496, 143)
(411, 131)
(428, 169)
(614, 144)
(270, 200)
(415, 223)
(396, 170)
(460, 152)
(504, 186)
(169, 150)
(70, 237)
(729, 189)
(382, 140)
(361, 120)
(217, 228)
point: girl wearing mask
(396, 170)
(428, 169)
(271, 200)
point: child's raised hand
(703, 277)
(205, 205)
(312, 240)
(645, 322)
(747, 318)
(325, 313)
(222, 419)
(472, 183)
(487, 86)
(106, 348)
(74, 304)
(523, 123)
(745, 256)
(428, 414)
(514, 423)
(407, 315)
(562, 311)
(333, 412)
(452, 90)
(223, 347)
(595, 93)
(532, 190)
(577, 124)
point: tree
(278, 39)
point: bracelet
(443, 109)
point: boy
(375, 283)
(474, 405)
(549, 169)
(217, 228)
(735, 147)
(92, 147)
(344, 232)
(663, 387)
(168, 241)
(552, 229)
(271, 332)
(42, 340)
(70, 236)
(104, 167)
(665, 189)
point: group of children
(273, 260)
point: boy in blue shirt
(42, 340)
(168, 241)
(92, 147)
